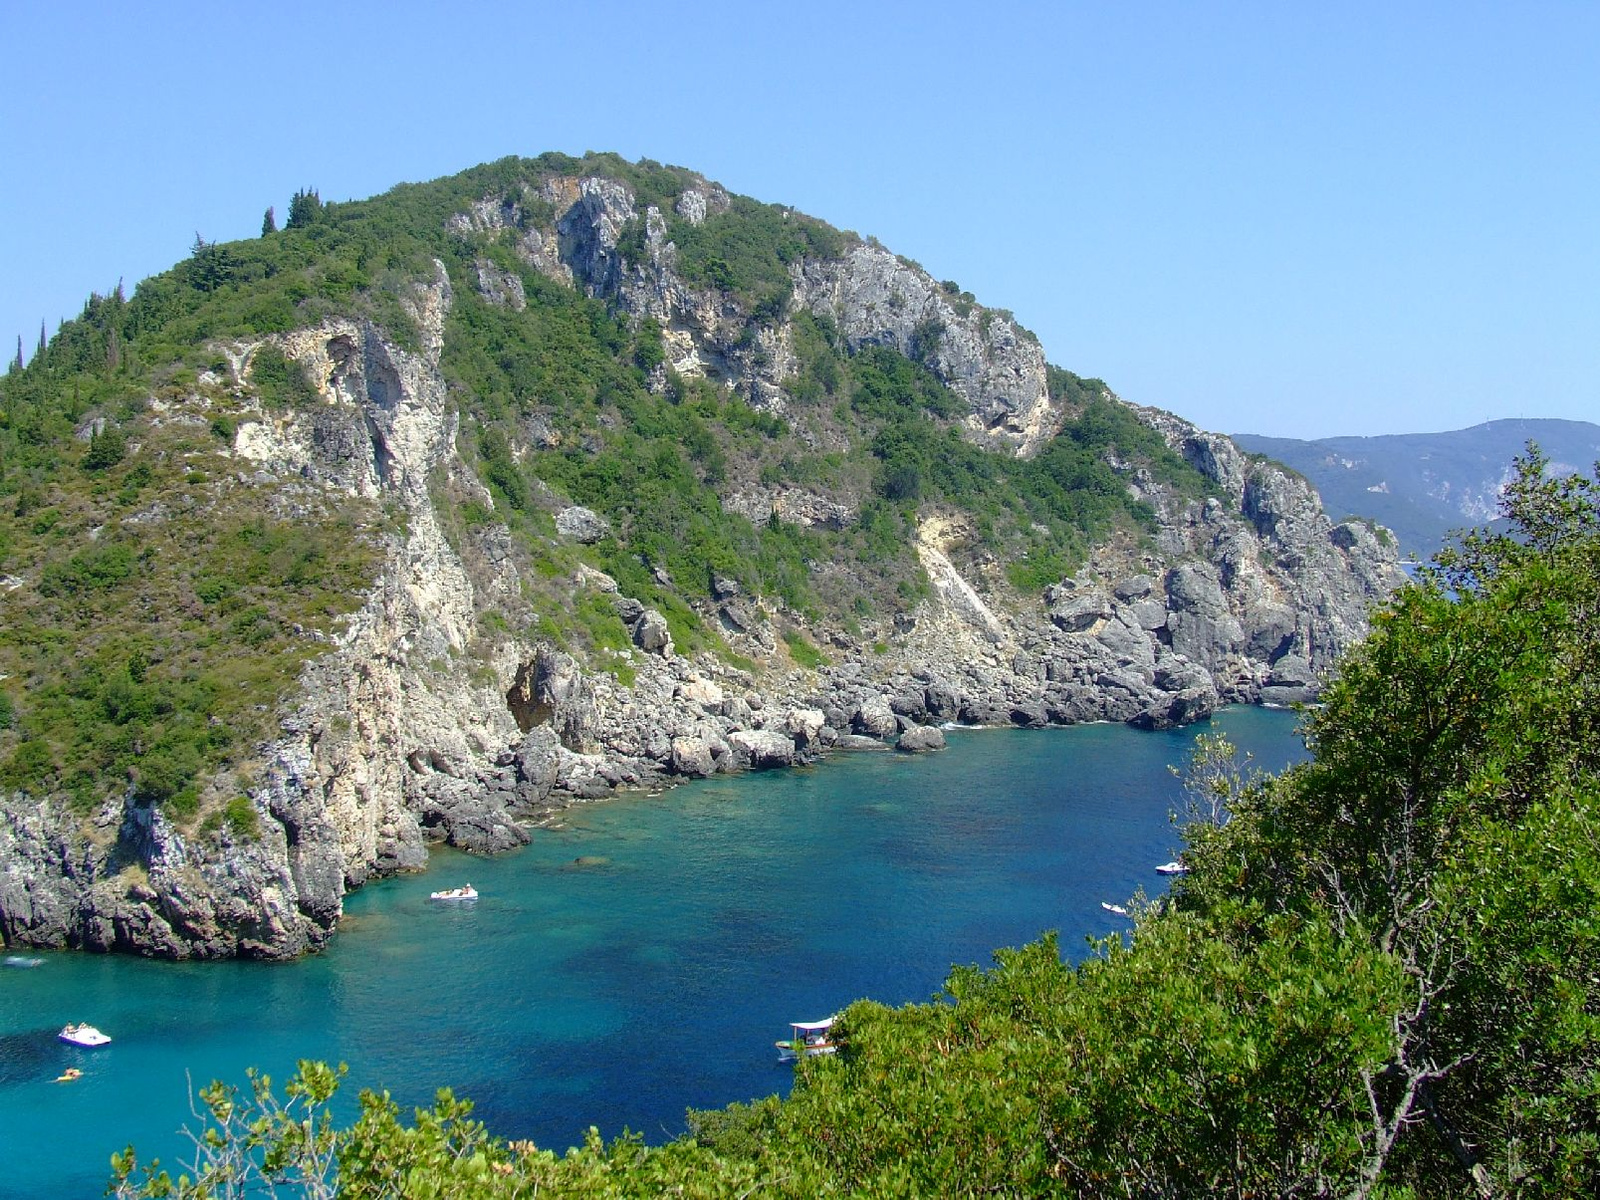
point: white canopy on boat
(811, 1026)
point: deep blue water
(619, 991)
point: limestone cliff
(421, 722)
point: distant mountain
(1424, 485)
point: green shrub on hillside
(748, 248)
(282, 383)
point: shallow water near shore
(637, 961)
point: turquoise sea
(639, 961)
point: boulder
(856, 741)
(468, 817)
(551, 690)
(692, 756)
(982, 712)
(942, 700)
(804, 725)
(909, 703)
(1128, 642)
(875, 718)
(1285, 696)
(920, 739)
(762, 747)
(702, 691)
(1030, 714)
(1169, 710)
(652, 635)
(1271, 630)
(1135, 587)
(1149, 614)
(1292, 671)
(1075, 613)
(737, 712)
(1174, 673)
(536, 763)
(738, 616)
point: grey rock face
(537, 760)
(217, 899)
(589, 231)
(877, 299)
(551, 690)
(467, 815)
(581, 524)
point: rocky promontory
(426, 720)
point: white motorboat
(810, 1039)
(458, 893)
(1172, 868)
(83, 1035)
(22, 962)
(1115, 909)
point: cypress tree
(269, 223)
(304, 208)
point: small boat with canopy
(810, 1038)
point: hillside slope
(428, 514)
(1423, 486)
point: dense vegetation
(1381, 978)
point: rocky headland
(419, 723)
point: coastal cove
(635, 961)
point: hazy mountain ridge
(1424, 485)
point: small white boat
(83, 1035)
(1117, 909)
(22, 962)
(1172, 868)
(810, 1039)
(458, 893)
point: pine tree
(16, 363)
(269, 223)
(41, 335)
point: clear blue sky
(1291, 219)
